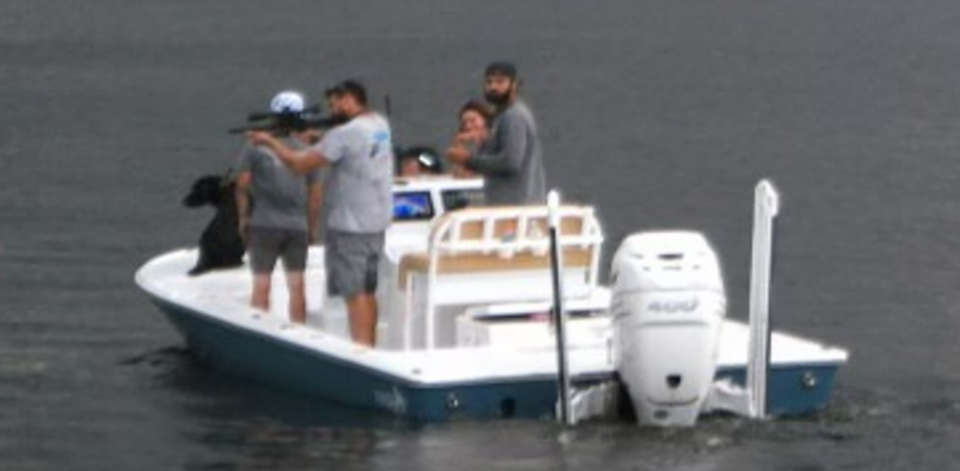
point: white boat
(464, 328)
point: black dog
(220, 244)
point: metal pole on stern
(559, 315)
(766, 208)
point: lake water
(663, 114)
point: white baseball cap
(287, 102)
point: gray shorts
(266, 244)
(351, 261)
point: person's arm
(464, 145)
(460, 151)
(242, 196)
(310, 136)
(301, 161)
(505, 156)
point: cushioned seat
(512, 241)
(478, 263)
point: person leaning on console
(418, 161)
(510, 159)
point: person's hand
(461, 139)
(258, 138)
(468, 138)
(479, 135)
(465, 138)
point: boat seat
(486, 239)
(494, 241)
(479, 263)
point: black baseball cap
(501, 68)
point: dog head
(206, 190)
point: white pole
(765, 209)
(559, 316)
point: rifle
(262, 115)
(285, 122)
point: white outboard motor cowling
(668, 306)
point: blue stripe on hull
(793, 390)
(257, 356)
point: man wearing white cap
(283, 219)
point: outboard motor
(668, 306)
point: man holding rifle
(359, 203)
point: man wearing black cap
(510, 160)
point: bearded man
(510, 160)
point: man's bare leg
(298, 298)
(363, 318)
(261, 291)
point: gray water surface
(663, 114)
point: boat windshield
(423, 199)
(412, 206)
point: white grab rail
(502, 234)
(765, 209)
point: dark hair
(350, 87)
(501, 68)
(427, 158)
(479, 107)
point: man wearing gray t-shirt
(510, 159)
(358, 201)
(281, 220)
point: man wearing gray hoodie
(510, 159)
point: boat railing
(496, 254)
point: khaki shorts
(266, 244)
(351, 262)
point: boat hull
(257, 356)
(794, 389)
